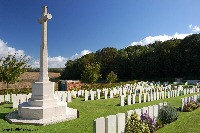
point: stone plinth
(15, 119)
(42, 108)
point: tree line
(172, 58)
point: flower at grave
(151, 122)
(134, 125)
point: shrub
(190, 106)
(111, 77)
(198, 99)
(167, 114)
(151, 122)
(134, 125)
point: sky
(79, 27)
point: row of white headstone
(116, 123)
(16, 99)
(129, 90)
(146, 97)
(186, 100)
(64, 96)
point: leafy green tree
(111, 77)
(11, 67)
(168, 59)
(106, 57)
(91, 73)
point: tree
(106, 57)
(91, 73)
(111, 77)
(11, 67)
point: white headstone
(111, 124)
(69, 97)
(185, 100)
(151, 96)
(15, 100)
(7, 97)
(129, 100)
(145, 97)
(106, 94)
(182, 103)
(157, 94)
(121, 100)
(150, 111)
(140, 98)
(86, 95)
(79, 93)
(145, 110)
(148, 96)
(184, 91)
(1, 98)
(99, 125)
(154, 95)
(92, 95)
(120, 122)
(155, 110)
(111, 94)
(169, 94)
(98, 94)
(13, 96)
(22, 98)
(64, 97)
(133, 98)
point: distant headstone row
(161, 94)
(116, 123)
(16, 99)
(145, 92)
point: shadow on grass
(118, 104)
(2, 116)
(8, 107)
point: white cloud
(59, 61)
(152, 39)
(53, 62)
(35, 63)
(194, 28)
(84, 52)
(4, 50)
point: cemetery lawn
(188, 122)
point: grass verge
(188, 122)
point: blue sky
(82, 26)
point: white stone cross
(44, 50)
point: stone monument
(43, 108)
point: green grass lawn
(188, 122)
